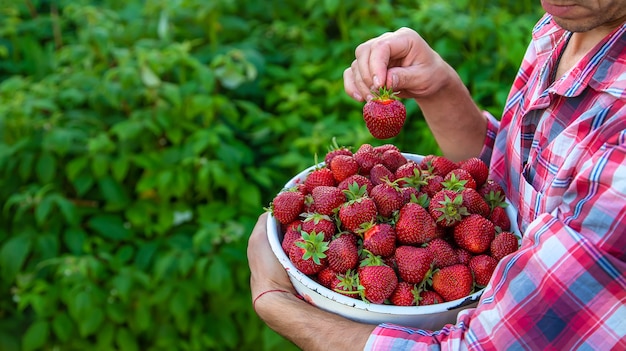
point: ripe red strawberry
(393, 159)
(477, 168)
(408, 170)
(292, 233)
(327, 199)
(377, 283)
(380, 239)
(347, 284)
(334, 149)
(379, 173)
(287, 206)
(360, 180)
(453, 282)
(404, 295)
(319, 176)
(415, 225)
(384, 115)
(474, 203)
(443, 252)
(482, 266)
(327, 277)
(319, 223)
(474, 233)
(432, 185)
(446, 207)
(503, 244)
(381, 149)
(308, 253)
(429, 297)
(343, 253)
(459, 179)
(492, 192)
(366, 157)
(413, 263)
(359, 209)
(388, 198)
(463, 255)
(343, 166)
(438, 165)
(500, 218)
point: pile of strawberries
(380, 227)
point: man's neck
(578, 46)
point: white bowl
(431, 317)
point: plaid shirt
(560, 153)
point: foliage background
(139, 141)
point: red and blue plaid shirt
(560, 153)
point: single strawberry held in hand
(384, 115)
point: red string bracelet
(269, 291)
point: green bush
(139, 141)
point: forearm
(458, 125)
(309, 327)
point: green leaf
(36, 336)
(92, 321)
(186, 262)
(144, 255)
(109, 226)
(43, 209)
(62, 326)
(13, 255)
(126, 340)
(149, 78)
(46, 167)
(74, 239)
(113, 193)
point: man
(559, 152)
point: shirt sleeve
(566, 286)
(492, 131)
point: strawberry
(292, 233)
(393, 159)
(379, 239)
(379, 173)
(477, 168)
(492, 192)
(503, 244)
(500, 218)
(384, 115)
(415, 225)
(327, 277)
(342, 253)
(366, 157)
(474, 233)
(482, 266)
(287, 206)
(474, 203)
(458, 179)
(359, 209)
(319, 176)
(404, 295)
(443, 252)
(438, 165)
(453, 282)
(347, 284)
(413, 263)
(429, 297)
(327, 198)
(446, 207)
(343, 166)
(334, 149)
(432, 185)
(308, 253)
(408, 170)
(381, 149)
(377, 283)
(319, 223)
(463, 255)
(388, 198)
(360, 180)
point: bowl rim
(273, 232)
